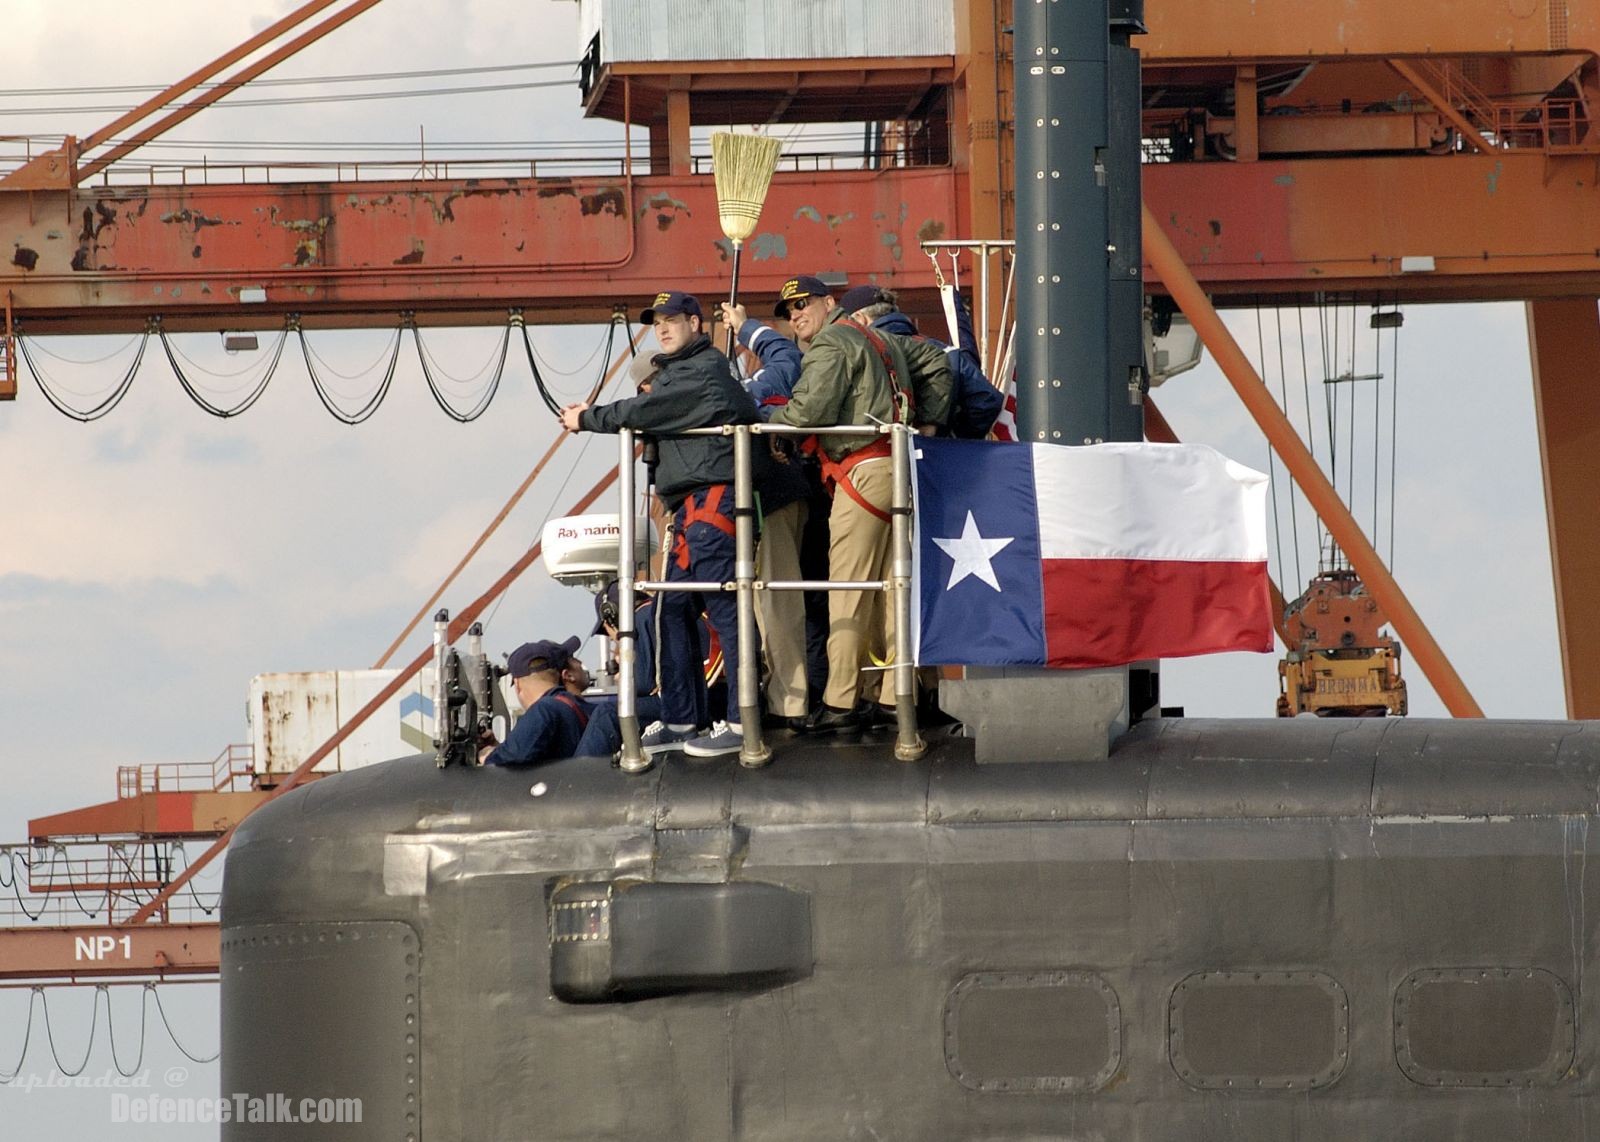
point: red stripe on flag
(1105, 612)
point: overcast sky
(154, 561)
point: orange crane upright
(1295, 150)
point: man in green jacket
(845, 378)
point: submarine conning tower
(1246, 930)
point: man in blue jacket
(695, 388)
(548, 680)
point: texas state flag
(1038, 554)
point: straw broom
(743, 165)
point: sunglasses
(800, 303)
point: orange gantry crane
(1295, 150)
(82, 874)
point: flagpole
(908, 745)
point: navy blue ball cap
(535, 657)
(605, 607)
(859, 297)
(670, 303)
(795, 288)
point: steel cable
(533, 364)
(1311, 427)
(581, 366)
(216, 899)
(587, 437)
(105, 900)
(324, 393)
(101, 360)
(194, 394)
(6, 1078)
(50, 1037)
(1294, 509)
(1377, 429)
(165, 1022)
(111, 1028)
(84, 416)
(16, 890)
(1272, 459)
(133, 875)
(433, 387)
(1394, 435)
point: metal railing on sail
(755, 752)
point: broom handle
(733, 297)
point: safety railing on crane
(222, 774)
(1553, 125)
(62, 883)
(426, 166)
(754, 751)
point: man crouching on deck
(696, 388)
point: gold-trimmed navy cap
(795, 288)
(670, 303)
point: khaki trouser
(859, 622)
(782, 614)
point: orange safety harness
(836, 473)
(568, 700)
(694, 513)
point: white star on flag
(972, 554)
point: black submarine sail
(1192, 929)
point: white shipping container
(633, 31)
(293, 714)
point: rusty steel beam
(176, 814)
(98, 951)
(568, 250)
(1507, 226)
(561, 249)
(1564, 338)
(1228, 30)
(1280, 434)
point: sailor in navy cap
(548, 679)
(695, 388)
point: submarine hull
(1227, 930)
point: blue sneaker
(658, 737)
(723, 738)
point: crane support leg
(1180, 283)
(1564, 342)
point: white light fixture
(1417, 264)
(252, 295)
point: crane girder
(350, 253)
(1288, 29)
(1507, 225)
